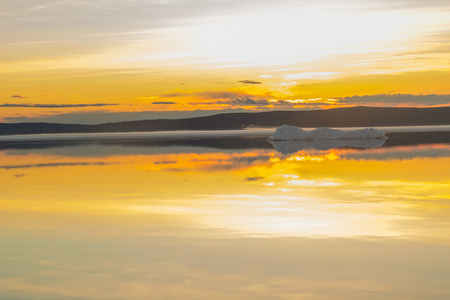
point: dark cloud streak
(163, 102)
(54, 165)
(56, 105)
(249, 82)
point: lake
(223, 215)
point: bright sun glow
(286, 37)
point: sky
(99, 61)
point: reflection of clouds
(301, 149)
(285, 214)
(207, 161)
(401, 152)
(289, 147)
(314, 158)
(422, 192)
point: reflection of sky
(239, 224)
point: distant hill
(34, 128)
(338, 117)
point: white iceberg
(293, 133)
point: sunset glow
(224, 149)
(119, 60)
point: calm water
(223, 218)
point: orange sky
(117, 60)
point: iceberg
(294, 133)
(290, 139)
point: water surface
(190, 219)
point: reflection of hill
(230, 142)
(248, 142)
(288, 147)
(118, 146)
(414, 138)
(339, 117)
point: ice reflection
(289, 147)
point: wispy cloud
(398, 99)
(309, 75)
(163, 102)
(249, 82)
(206, 95)
(254, 178)
(53, 165)
(56, 105)
(17, 96)
(247, 101)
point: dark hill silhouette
(339, 117)
(34, 128)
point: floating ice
(293, 133)
(290, 139)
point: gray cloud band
(56, 105)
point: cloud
(95, 26)
(402, 4)
(247, 101)
(55, 105)
(254, 178)
(92, 25)
(53, 165)
(17, 96)
(206, 95)
(249, 82)
(398, 99)
(309, 75)
(163, 102)
(443, 49)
